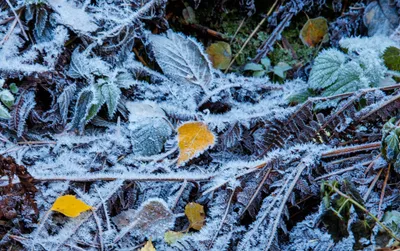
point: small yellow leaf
(195, 213)
(70, 206)
(220, 55)
(314, 31)
(172, 236)
(193, 139)
(148, 247)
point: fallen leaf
(195, 213)
(148, 247)
(314, 31)
(391, 57)
(70, 206)
(193, 139)
(220, 55)
(172, 236)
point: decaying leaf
(195, 213)
(70, 206)
(314, 31)
(220, 54)
(148, 247)
(391, 57)
(171, 236)
(193, 139)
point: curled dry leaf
(193, 139)
(195, 214)
(70, 206)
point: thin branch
(18, 20)
(384, 188)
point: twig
(384, 188)
(180, 192)
(18, 20)
(366, 195)
(237, 30)
(365, 210)
(351, 149)
(252, 35)
(97, 220)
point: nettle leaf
(111, 94)
(82, 66)
(7, 98)
(220, 54)
(83, 104)
(195, 214)
(326, 68)
(314, 31)
(193, 139)
(182, 59)
(41, 19)
(64, 100)
(149, 136)
(96, 104)
(21, 110)
(391, 57)
(70, 206)
(139, 111)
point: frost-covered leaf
(280, 69)
(7, 98)
(22, 108)
(314, 31)
(171, 237)
(70, 206)
(64, 100)
(149, 135)
(253, 67)
(152, 219)
(138, 111)
(391, 57)
(195, 214)
(82, 66)
(111, 94)
(83, 104)
(73, 17)
(220, 54)
(182, 59)
(392, 220)
(193, 139)
(326, 68)
(148, 247)
(4, 114)
(124, 80)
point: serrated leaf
(193, 139)
(64, 100)
(149, 136)
(195, 214)
(7, 98)
(148, 247)
(391, 57)
(182, 59)
(171, 237)
(21, 110)
(392, 145)
(139, 111)
(82, 106)
(70, 206)
(253, 67)
(41, 19)
(314, 31)
(220, 55)
(326, 68)
(124, 80)
(111, 94)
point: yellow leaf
(148, 247)
(220, 55)
(193, 139)
(70, 206)
(195, 213)
(314, 31)
(172, 236)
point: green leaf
(326, 69)
(253, 67)
(171, 237)
(14, 88)
(266, 62)
(280, 69)
(111, 94)
(7, 98)
(391, 57)
(259, 73)
(300, 97)
(82, 107)
(4, 114)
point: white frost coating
(376, 43)
(73, 17)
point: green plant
(260, 70)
